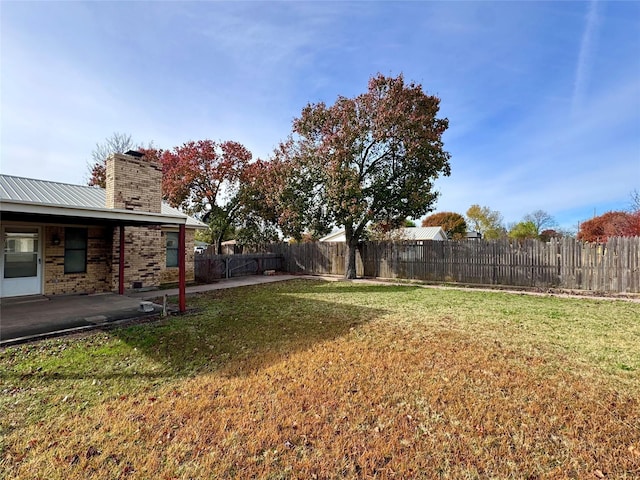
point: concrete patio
(30, 318)
(26, 318)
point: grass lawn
(312, 379)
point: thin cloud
(543, 97)
(587, 48)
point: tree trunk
(222, 232)
(219, 244)
(352, 247)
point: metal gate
(209, 268)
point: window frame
(172, 236)
(83, 232)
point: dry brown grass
(409, 392)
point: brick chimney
(133, 183)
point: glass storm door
(21, 262)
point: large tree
(540, 219)
(486, 221)
(452, 223)
(371, 158)
(204, 178)
(523, 230)
(610, 224)
(255, 222)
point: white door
(21, 261)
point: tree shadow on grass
(234, 332)
(238, 331)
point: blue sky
(543, 98)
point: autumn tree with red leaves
(452, 223)
(362, 160)
(204, 178)
(201, 178)
(610, 224)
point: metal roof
(424, 233)
(51, 193)
(191, 222)
(30, 191)
(408, 233)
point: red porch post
(182, 264)
(121, 263)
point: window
(21, 252)
(75, 250)
(172, 249)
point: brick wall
(97, 277)
(145, 260)
(170, 274)
(143, 252)
(133, 184)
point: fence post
(494, 261)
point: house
(231, 247)
(62, 239)
(407, 233)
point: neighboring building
(231, 247)
(66, 239)
(407, 233)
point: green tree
(486, 221)
(368, 159)
(409, 223)
(523, 230)
(452, 223)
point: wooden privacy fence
(563, 263)
(326, 258)
(210, 267)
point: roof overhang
(15, 210)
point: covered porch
(40, 252)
